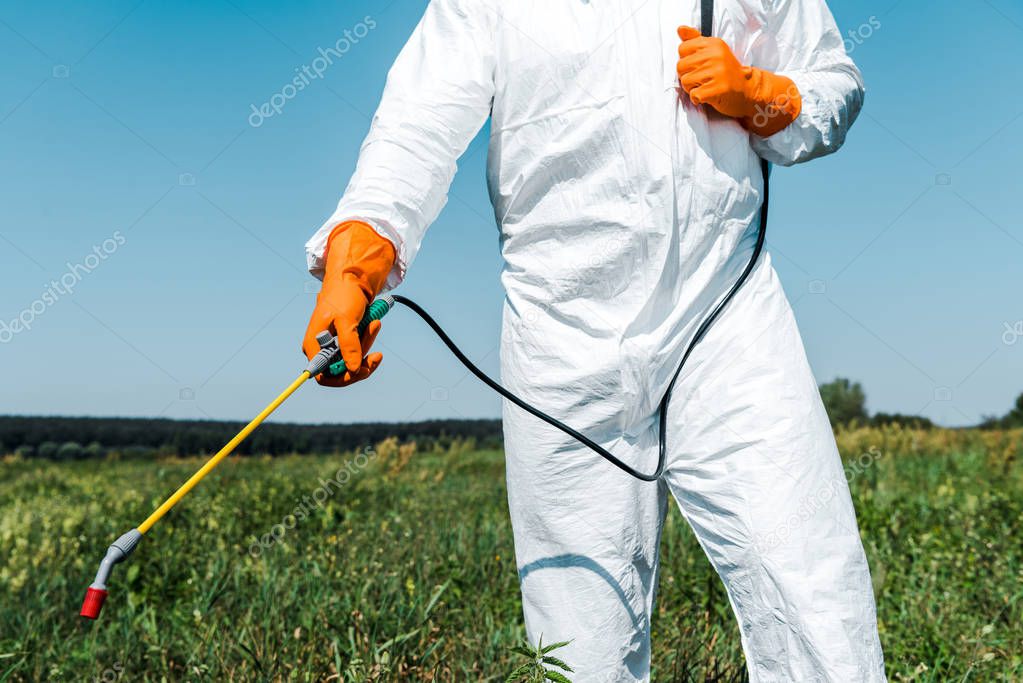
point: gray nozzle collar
(325, 356)
(118, 551)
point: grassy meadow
(404, 570)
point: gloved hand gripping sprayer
(327, 360)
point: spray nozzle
(118, 552)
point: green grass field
(407, 573)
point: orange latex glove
(358, 261)
(763, 102)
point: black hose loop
(701, 332)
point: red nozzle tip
(93, 603)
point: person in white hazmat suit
(624, 173)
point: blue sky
(129, 161)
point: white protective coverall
(626, 213)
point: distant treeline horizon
(73, 438)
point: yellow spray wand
(221, 454)
(327, 360)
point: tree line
(846, 403)
(73, 438)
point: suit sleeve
(803, 43)
(437, 97)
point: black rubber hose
(701, 332)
